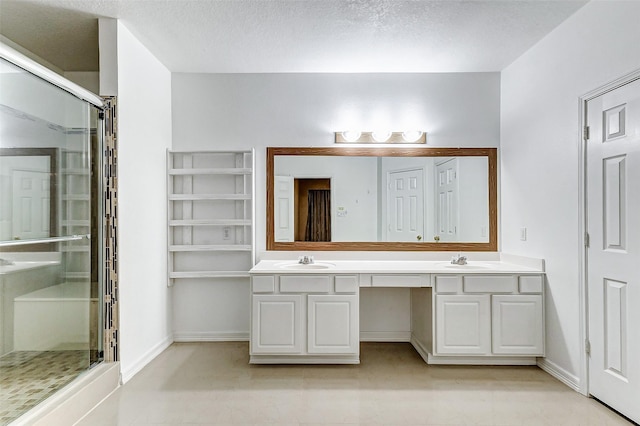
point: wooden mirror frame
(490, 153)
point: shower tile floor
(29, 377)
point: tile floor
(212, 384)
(29, 377)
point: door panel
(613, 275)
(517, 324)
(447, 208)
(405, 199)
(284, 209)
(276, 324)
(463, 324)
(333, 324)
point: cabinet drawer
(530, 284)
(263, 284)
(397, 281)
(305, 283)
(489, 283)
(346, 283)
(447, 283)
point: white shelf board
(196, 197)
(75, 172)
(209, 274)
(76, 223)
(75, 197)
(76, 275)
(210, 222)
(217, 247)
(218, 171)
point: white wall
(222, 111)
(540, 153)
(144, 134)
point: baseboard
(210, 336)
(304, 359)
(146, 359)
(559, 373)
(420, 348)
(385, 336)
(74, 401)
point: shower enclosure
(50, 234)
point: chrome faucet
(305, 260)
(5, 262)
(459, 260)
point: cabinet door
(463, 324)
(276, 324)
(333, 324)
(517, 325)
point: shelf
(198, 197)
(210, 274)
(233, 181)
(76, 223)
(76, 249)
(75, 172)
(76, 275)
(217, 247)
(220, 171)
(210, 222)
(75, 197)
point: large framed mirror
(382, 199)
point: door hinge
(586, 239)
(585, 133)
(101, 115)
(587, 347)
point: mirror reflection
(27, 204)
(381, 199)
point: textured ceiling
(292, 35)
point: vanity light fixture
(351, 136)
(412, 135)
(381, 135)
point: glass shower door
(50, 294)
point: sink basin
(310, 266)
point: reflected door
(30, 204)
(284, 209)
(447, 200)
(613, 209)
(405, 205)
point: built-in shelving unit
(75, 209)
(210, 214)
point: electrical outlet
(226, 233)
(523, 234)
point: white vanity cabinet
(488, 315)
(311, 318)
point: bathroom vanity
(489, 312)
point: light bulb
(351, 135)
(412, 135)
(381, 135)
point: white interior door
(447, 200)
(31, 201)
(284, 225)
(613, 256)
(405, 205)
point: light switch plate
(523, 234)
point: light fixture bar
(412, 137)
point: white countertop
(390, 267)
